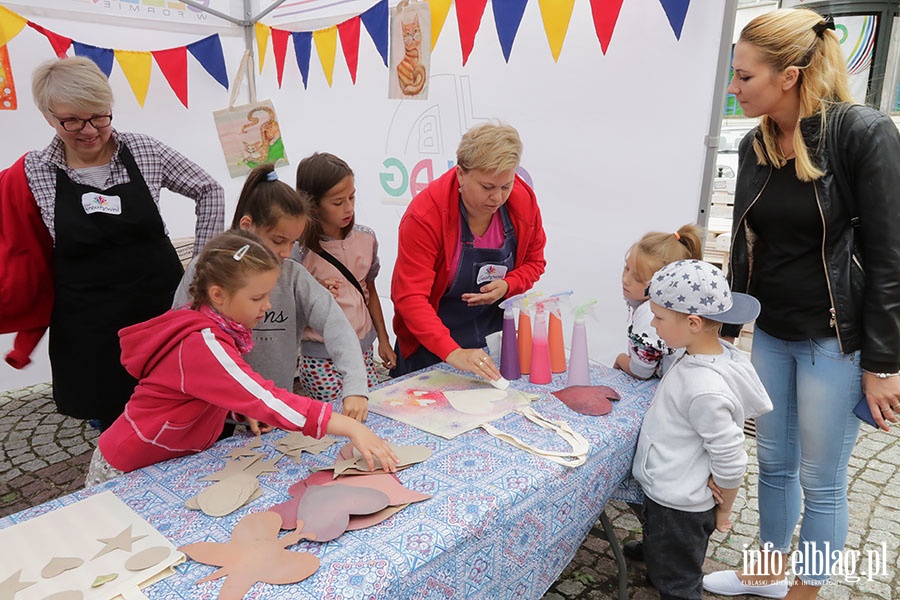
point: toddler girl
(344, 257)
(651, 253)
(278, 214)
(192, 374)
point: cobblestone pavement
(45, 455)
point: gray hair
(76, 81)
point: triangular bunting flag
(326, 47)
(508, 17)
(209, 54)
(468, 16)
(303, 50)
(60, 43)
(439, 10)
(605, 13)
(173, 64)
(556, 15)
(136, 66)
(10, 25)
(8, 100)
(279, 49)
(262, 40)
(376, 21)
(349, 32)
(676, 11)
(102, 56)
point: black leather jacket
(861, 160)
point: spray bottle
(509, 349)
(540, 348)
(525, 305)
(555, 331)
(579, 370)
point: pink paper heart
(325, 509)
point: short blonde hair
(796, 37)
(74, 80)
(490, 147)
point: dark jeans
(419, 359)
(675, 545)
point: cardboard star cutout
(13, 584)
(123, 541)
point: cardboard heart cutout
(325, 510)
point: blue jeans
(805, 443)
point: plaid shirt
(161, 167)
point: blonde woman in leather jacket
(817, 241)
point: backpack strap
(342, 268)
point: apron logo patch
(490, 273)
(101, 203)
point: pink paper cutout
(325, 510)
(588, 399)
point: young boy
(693, 431)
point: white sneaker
(727, 583)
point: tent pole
(271, 7)
(249, 23)
(215, 13)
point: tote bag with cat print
(410, 50)
(249, 134)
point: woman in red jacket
(470, 239)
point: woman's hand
(490, 293)
(883, 396)
(474, 360)
(356, 407)
(387, 354)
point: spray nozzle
(553, 303)
(582, 310)
(524, 302)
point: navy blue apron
(113, 268)
(468, 325)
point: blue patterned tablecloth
(503, 523)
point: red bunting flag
(606, 13)
(349, 33)
(468, 16)
(60, 43)
(173, 64)
(279, 49)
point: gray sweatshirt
(694, 429)
(298, 301)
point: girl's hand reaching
(363, 439)
(356, 407)
(387, 354)
(332, 285)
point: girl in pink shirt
(343, 256)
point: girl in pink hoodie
(191, 371)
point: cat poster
(250, 136)
(410, 50)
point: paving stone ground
(46, 455)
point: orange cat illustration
(410, 72)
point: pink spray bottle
(579, 368)
(540, 348)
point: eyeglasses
(75, 124)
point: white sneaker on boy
(727, 583)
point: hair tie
(677, 236)
(272, 175)
(241, 252)
(821, 26)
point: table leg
(617, 552)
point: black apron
(468, 325)
(114, 267)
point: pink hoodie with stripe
(191, 376)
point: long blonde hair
(797, 38)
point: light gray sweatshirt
(694, 428)
(298, 301)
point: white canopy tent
(616, 144)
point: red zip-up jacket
(428, 236)
(26, 265)
(191, 375)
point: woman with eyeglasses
(96, 190)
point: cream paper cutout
(60, 565)
(147, 558)
(475, 402)
(73, 531)
(123, 541)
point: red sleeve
(419, 248)
(218, 374)
(530, 262)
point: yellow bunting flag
(136, 66)
(326, 46)
(439, 10)
(10, 25)
(556, 15)
(262, 40)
